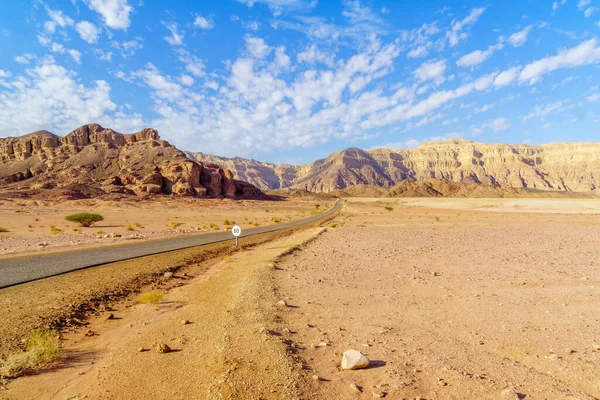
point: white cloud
(506, 77)
(76, 55)
(193, 64)
(102, 55)
(114, 13)
(431, 70)
(25, 58)
(547, 125)
(419, 51)
(59, 17)
(203, 23)
(542, 111)
(52, 98)
(590, 11)
(176, 37)
(4, 74)
(554, 6)
(88, 31)
(583, 54)
(456, 34)
(312, 55)
(499, 124)
(583, 3)
(518, 39)
(127, 48)
(186, 80)
(593, 97)
(478, 56)
(257, 47)
(278, 7)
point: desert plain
(448, 298)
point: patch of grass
(153, 297)
(389, 208)
(333, 225)
(138, 225)
(3, 230)
(276, 220)
(54, 230)
(175, 225)
(85, 219)
(100, 232)
(228, 222)
(129, 228)
(214, 226)
(42, 347)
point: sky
(295, 80)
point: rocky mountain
(92, 159)
(562, 166)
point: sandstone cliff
(571, 167)
(93, 157)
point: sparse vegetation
(437, 219)
(214, 226)
(317, 206)
(138, 225)
(129, 228)
(276, 220)
(152, 297)
(175, 224)
(41, 348)
(100, 232)
(228, 222)
(85, 219)
(54, 230)
(389, 208)
(3, 230)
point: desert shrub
(276, 220)
(389, 208)
(54, 230)
(129, 228)
(175, 224)
(317, 206)
(152, 297)
(41, 348)
(3, 229)
(138, 225)
(437, 219)
(228, 222)
(85, 219)
(214, 226)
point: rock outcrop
(570, 167)
(101, 159)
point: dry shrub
(152, 297)
(42, 348)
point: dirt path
(448, 304)
(227, 351)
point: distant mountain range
(573, 167)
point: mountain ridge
(570, 167)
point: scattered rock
(379, 395)
(316, 378)
(185, 322)
(42, 244)
(282, 303)
(596, 347)
(569, 350)
(509, 394)
(353, 359)
(142, 349)
(355, 387)
(110, 316)
(168, 274)
(89, 333)
(163, 348)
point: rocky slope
(95, 160)
(561, 166)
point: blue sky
(294, 80)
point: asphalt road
(20, 270)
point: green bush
(85, 219)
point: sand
(449, 299)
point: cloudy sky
(294, 80)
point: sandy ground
(449, 301)
(450, 304)
(225, 351)
(29, 223)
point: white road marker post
(236, 231)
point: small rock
(42, 244)
(163, 348)
(142, 349)
(569, 350)
(282, 303)
(316, 378)
(322, 344)
(110, 316)
(185, 322)
(168, 274)
(379, 395)
(89, 333)
(353, 386)
(509, 394)
(353, 359)
(596, 347)
(442, 383)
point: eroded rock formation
(139, 163)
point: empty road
(26, 269)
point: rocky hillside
(92, 159)
(562, 166)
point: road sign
(236, 231)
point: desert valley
(453, 280)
